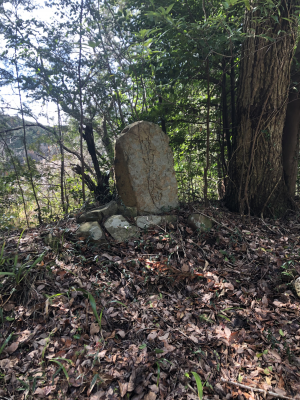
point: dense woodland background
(221, 78)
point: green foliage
(139, 61)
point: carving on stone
(144, 169)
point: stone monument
(144, 169)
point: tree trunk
(256, 178)
(291, 132)
(225, 111)
(101, 190)
(290, 142)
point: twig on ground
(265, 392)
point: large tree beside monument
(261, 180)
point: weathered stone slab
(144, 169)
(148, 221)
(109, 209)
(199, 221)
(94, 215)
(120, 229)
(91, 231)
(99, 213)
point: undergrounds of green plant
(177, 314)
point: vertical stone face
(144, 169)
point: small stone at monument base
(148, 221)
(172, 219)
(199, 221)
(99, 213)
(91, 231)
(109, 209)
(120, 229)
(94, 215)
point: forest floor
(168, 316)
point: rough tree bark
(291, 132)
(101, 187)
(256, 179)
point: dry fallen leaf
(123, 388)
(265, 301)
(98, 396)
(168, 347)
(43, 392)
(13, 347)
(8, 307)
(185, 268)
(152, 335)
(131, 383)
(194, 339)
(94, 328)
(164, 337)
(154, 388)
(122, 334)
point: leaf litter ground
(220, 304)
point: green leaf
(158, 351)
(142, 346)
(5, 342)
(61, 366)
(169, 8)
(223, 316)
(158, 373)
(94, 380)
(281, 332)
(199, 385)
(77, 337)
(247, 4)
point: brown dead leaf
(278, 303)
(123, 388)
(131, 383)
(122, 334)
(194, 339)
(164, 337)
(152, 335)
(150, 396)
(168, 347)
(94, 328)
(6, 363)
(8, 307)
(185, 268)
(265, 301)
(12, 348)
(102, 354)
(154, 388)
(75, 382)
(98, 396)
(43, 392)
(234, 337)
(159, 246)
(279, 391)
(281, 382)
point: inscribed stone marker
(144, 169)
